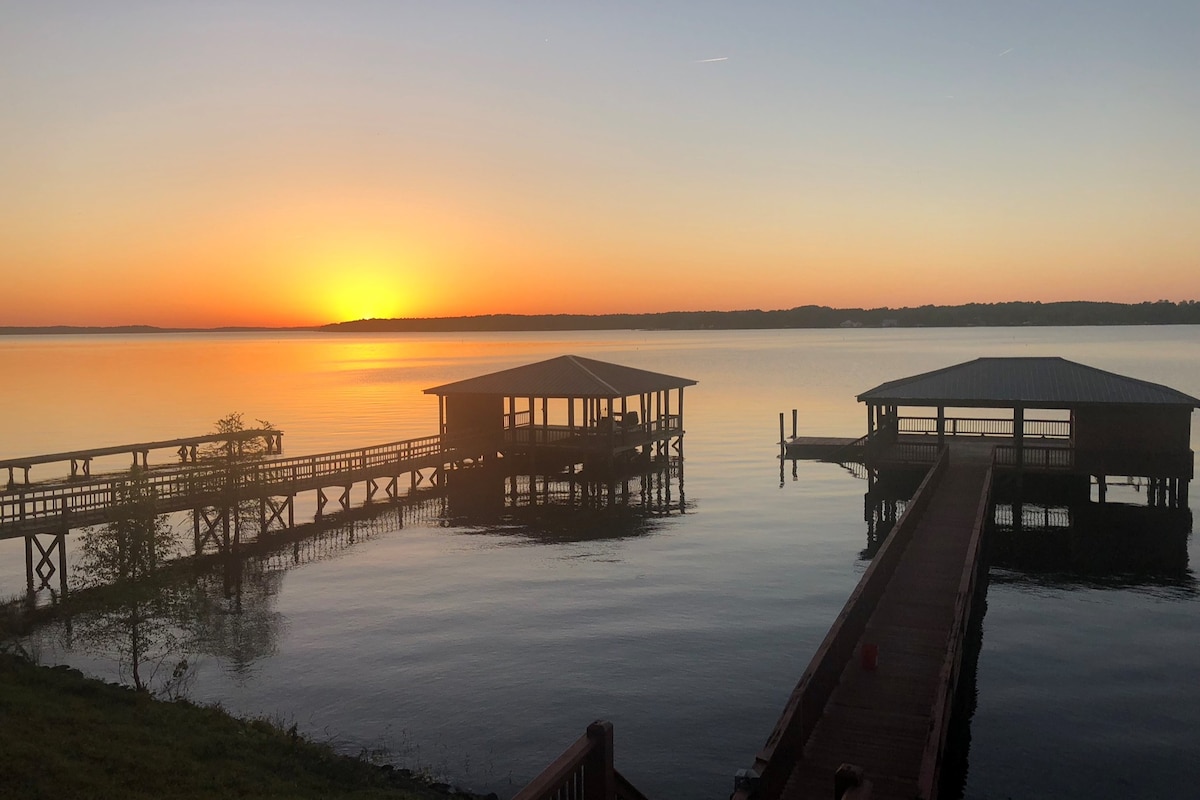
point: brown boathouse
(1098, 423)
(571, 408)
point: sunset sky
(258, 163)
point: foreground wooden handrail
(564, 773)
(584, 771)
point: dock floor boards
(879, 719)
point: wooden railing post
(598, 780)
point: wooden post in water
(795, 417)
(29, 563)
(782, 447)
(61, 541)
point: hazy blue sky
(420, 158)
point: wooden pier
(59, 506)
(611, 417)
(878, 693)
(187, 448)
(869, 715)
(215, 491)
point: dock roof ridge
(1025, 380)
(566, 376)
(578, 361)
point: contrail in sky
(1006, 52)
(711, 60)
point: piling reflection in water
(1054, 530)
(155, 606)
(1058, 532)
(1085, 543)
(569, 505)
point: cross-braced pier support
(44, 562)
(216, 524)
(271, 511)
(343, 499)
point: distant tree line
(1163, 312)
(1076, 312)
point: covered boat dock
(570, 408)
(1032, 414)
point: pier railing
(305, 469)
(909, 452)
(85, 502)
(1031, 517)
(1034, 457)
(186, 447)
(619, 434)
(984, 426)
(777, 759)
(584, 771)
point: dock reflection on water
(217, 597)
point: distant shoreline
(1015, 314)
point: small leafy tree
(237, 455)
(135, 614)
(130, 547)
(235, 423)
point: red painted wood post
(599, 782)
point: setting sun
(365, 295)
(373, 279)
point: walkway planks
(911, 606)
(880, 720)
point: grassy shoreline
(66, 735)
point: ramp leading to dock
(878, 692)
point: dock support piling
(45, 567)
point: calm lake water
(479, 650)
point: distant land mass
(68, 330)
(1162, 312)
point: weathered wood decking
(912, 607)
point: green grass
(66, 736)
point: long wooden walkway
(187, 448)
(36, 508)
(887, 713)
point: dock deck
(881, 719)
(911, 607)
